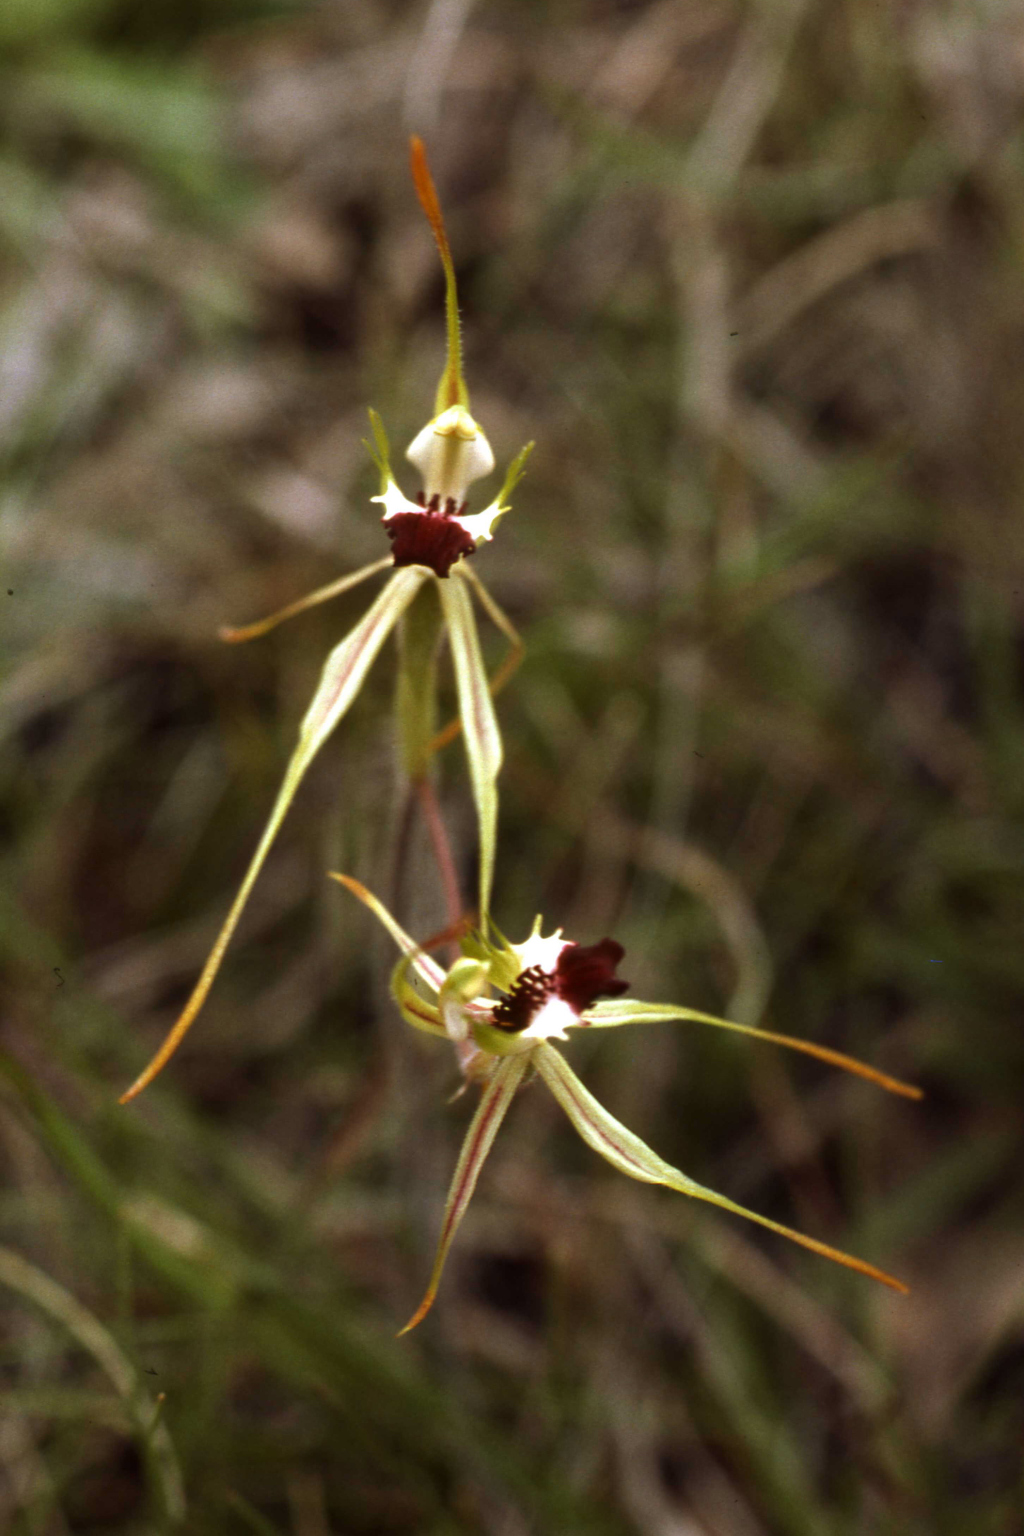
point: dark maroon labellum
(582, 974)
(432, 537)
(585, 972)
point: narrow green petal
(379, 451)
(483, 1128)
(511, 662)
(342, 677)
(479, 723)
(513, 475)
(429, 969)
(611, 1013)
(322, 595)
(626, 1152)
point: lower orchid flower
(546, 986)
(431, 589)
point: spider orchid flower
(546, 986)
(431, 586)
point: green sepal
(613, 1013)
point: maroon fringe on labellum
(431, 537)
(585, 972)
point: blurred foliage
(751, 274)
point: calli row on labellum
(545, 986)
(429, 593)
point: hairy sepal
(494, 1101)
(626, 1152)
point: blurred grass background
(751, 274)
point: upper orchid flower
(450, 452)
(431, 539)
(546, 986)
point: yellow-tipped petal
(452, 388)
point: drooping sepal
(419, 638)
(236, 634)
(495, 1100)
(626, 1152)
(340, 681)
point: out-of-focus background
(752, 275)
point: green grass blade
(90, 1334)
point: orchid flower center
(544, 1000)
